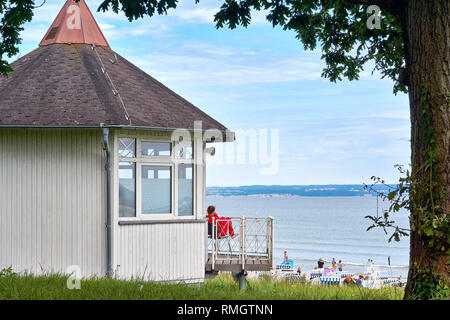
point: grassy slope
(221, 288)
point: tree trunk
(427, 49)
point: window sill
(171, 221)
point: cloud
(106, 26)
(394, 114)
(141, 30)
(34, 32)
(197, 15)
(47, 13)
(213, 50)
(208, 64)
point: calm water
(309, 228)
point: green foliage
(429, 194)
(430, 286)
(134, 9)
(398, 197)
(7, 272)
(13, 14)
(54, 287)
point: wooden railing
(253, 239)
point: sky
(292, 126)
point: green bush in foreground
(13, 286)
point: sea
(309, 228)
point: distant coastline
(332, 190)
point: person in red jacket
(224, 227)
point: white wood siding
(52, 207)
(160, 252)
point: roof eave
(226, 135)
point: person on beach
(320, 263)
(333, 261)
(349, 280)
(224, 228)
(286, 258)
(360, 280)
(340, 265)
(299, 270)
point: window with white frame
(185, 189)
(156, 178)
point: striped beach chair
(287, 265)
(315, 274)
(293, 276)
(345, 274)
(330, 281)
(390, 281)
(283, 267)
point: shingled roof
(68, 84)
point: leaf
(391, 195)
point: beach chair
(294, 277)
(345, 274)
(330, 281)
(390, 281)
(287, 265)
(315, 274)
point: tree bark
(427, 52)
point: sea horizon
(318, 190)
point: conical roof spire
(74, 24)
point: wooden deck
(232, 263)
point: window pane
(156, 189)
(127, 147)
(185, 189)
(127, 187)
(185, 149)
(149, 148)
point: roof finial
(74, 24)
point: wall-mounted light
(211, 151)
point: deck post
(271, 240)
(213, 242)
(243, 221)
(241, 278)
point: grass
(49, 287)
